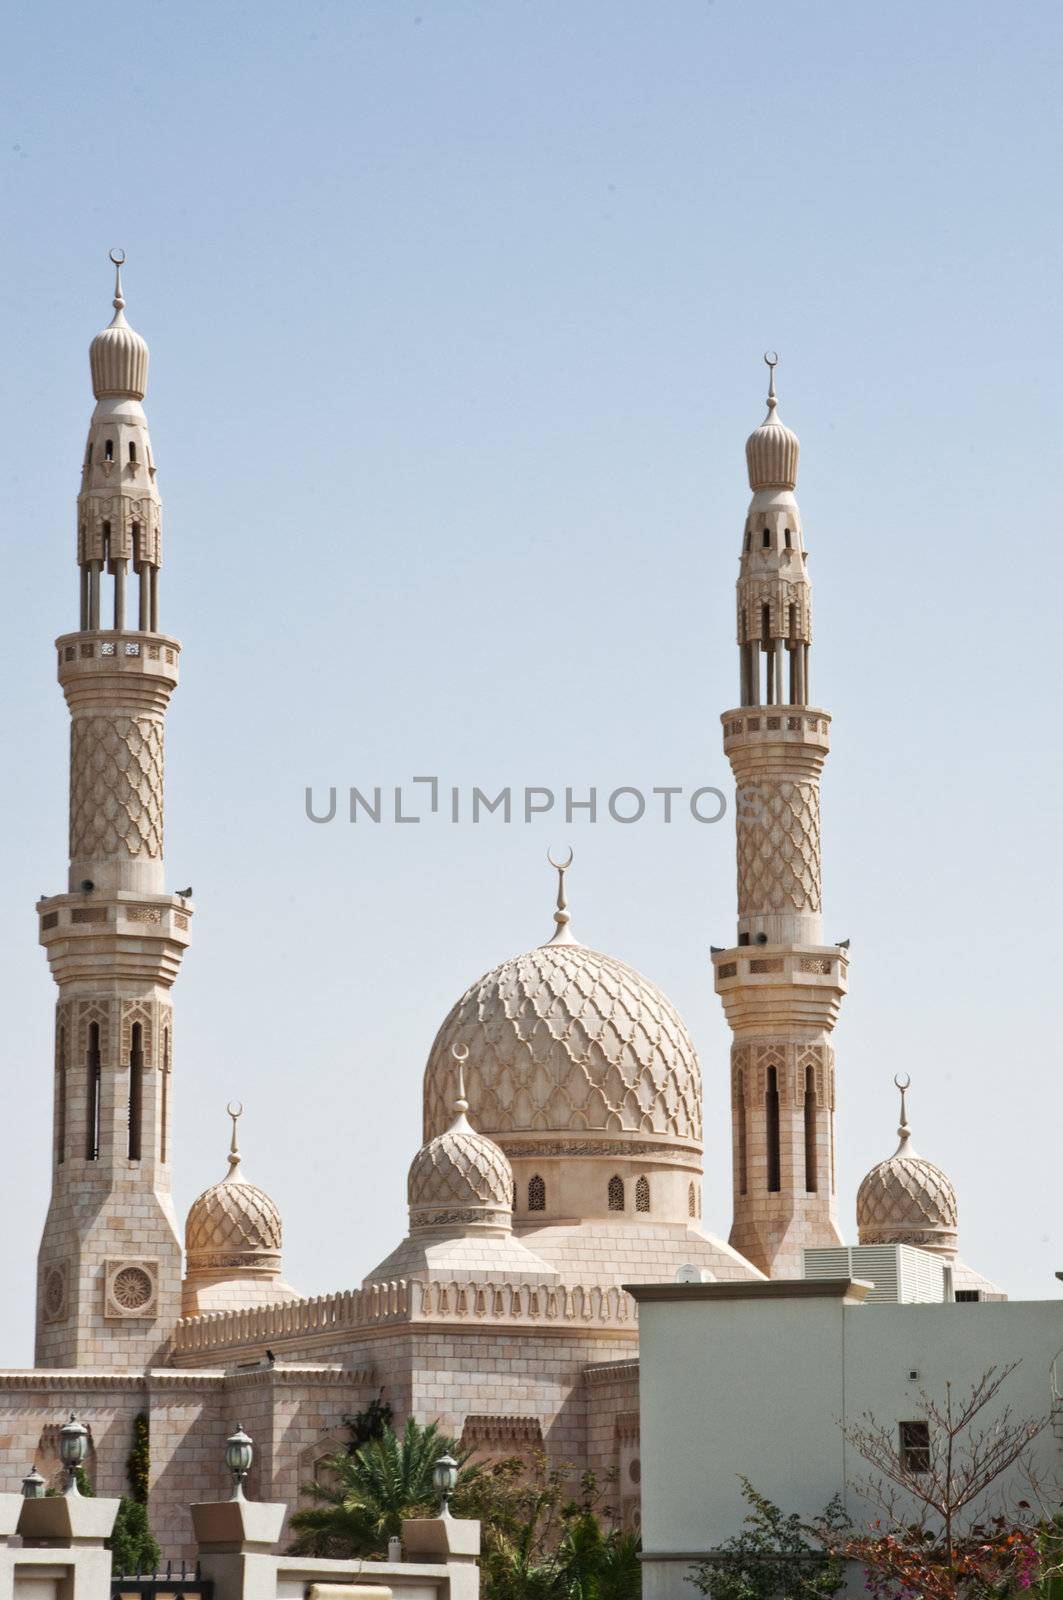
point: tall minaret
(780, 986)
(109, 1266)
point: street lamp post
(239, 1454)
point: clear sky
(456, 313)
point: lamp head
(239, 1453)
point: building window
(967, 1294)
(136, 1089)
(60, 1132)
(642, 1194)
(743, 1146)
(616, 1193)
(811, 1184)
(915, 1446)
(767, 537)
(536, 1194)
(132, 451)
(692, 1209)
(786, 536)
(108, 450)
(771, 1111)
(749, 538)
(92, 1095)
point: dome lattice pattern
(232, 1219)
(565, 1039)
(905, 1194)
(460, 1168)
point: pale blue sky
(456, 313)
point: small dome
(233, 1224)
(460, 1177)
(118, 357)
(772, 450)
(907, 1200)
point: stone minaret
(109, 1266)
(780, 986)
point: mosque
(562, 1141)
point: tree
(546, 1534)
(368, 1424)
(366, 1496)
(935, 1538)
(964, 1455)
(776, 1556)
(133, 1546)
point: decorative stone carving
(55, 1292)
(566, 1039)
(779, 852)
(116, 786)
(130, 1288)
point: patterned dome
(907, 1200)
(118, 357)
(460, 1177)
(233, 1224)
(772, 450)
(566, 1040)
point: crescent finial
(235, 1110)
(460, 1052)
(561, 934)
(118, 260)
(903, 1084)
(771, 361)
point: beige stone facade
(562, 1141)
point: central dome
(564, 1039)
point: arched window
(642, 1194)
(92, 1095)
(60, 1134)
(133, 453)
(767, 538)
(164, 1108)
(136, 1089)
(616, 1193)
(692, 1209)
(108, 450)
(536, 1194)
(743, 1143)
(786, 535)
(811, 1175)
(772, 1120)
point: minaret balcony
(124, 935)
(106, 663)
(775, 986)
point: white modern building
(756, 1380)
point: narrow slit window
(642, 1194)
(108, 450)
(136, 1089)
(771, 1110)
(915, 1446)
(616, 1193)
(786, 536)
(765, 624)
(767, 538)
(92, 1094)
(164, 1109)
(749, 539)
(536, 1193)
(133, 455)
(88, 455)
(811, 1183)
(743, 1143)
(60, 1131)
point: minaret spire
(781, 987)
(109, 1267)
